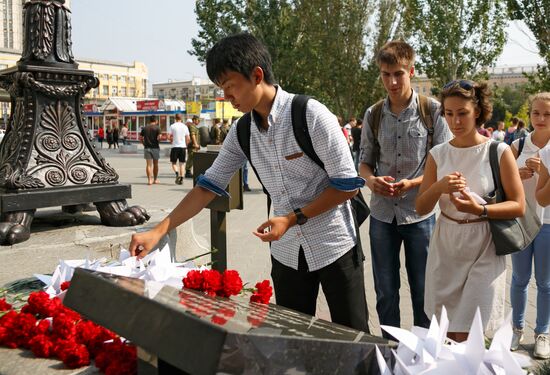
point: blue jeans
(245, 173)
(385, 244)
(522, 262)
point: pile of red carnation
(225, 284)
(51, 330)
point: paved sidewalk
(245, 252)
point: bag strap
(424, 107)
(495, 171)
(243, 136)
(520, 146)
(299, 127)
(374, 123)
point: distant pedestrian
(109, 136)
(100, 136)
(356, 139)
(509, 136)
(193, 146)
(178, 134)
(149, 137)
(500, 133)
(520, 132)
(124, 134)
(115, 137)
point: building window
(132, 92)
(113, 77)
(132, 79)
(123, 79)
(105, 90)
(123, 91)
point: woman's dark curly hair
(479, 93)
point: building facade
(195, 90)
(115, 79)
(11, 29)
(498, 77)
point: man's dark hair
(152, 119)
(240, 53)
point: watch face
(301, 219)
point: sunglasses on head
(465, 84)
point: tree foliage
(536, 15)
(319, 48)
(456, 39)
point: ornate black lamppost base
(48, 157)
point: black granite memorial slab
(199, 334)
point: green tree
(387, 25)
(456, 39)
(536, 15)
(317, 46)
(216, 19)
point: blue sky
(159, 34)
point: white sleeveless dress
(463, 270)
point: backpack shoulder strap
(301, 132)
(375, 118)
(425, 109)
(243, 134)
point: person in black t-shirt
(149, 137)
(356, 138)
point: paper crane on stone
(428, 351)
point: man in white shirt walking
(179, 136)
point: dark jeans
(343, 284)
(385, 244)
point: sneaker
(179, 181)
(542, 346)
(188, 174)
(517, 338)
(246, 188)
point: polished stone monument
(47, 157)
(197, 334)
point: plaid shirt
(293, 180)
(403, 141)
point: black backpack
(360, 209)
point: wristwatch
(484, 213)
(301, 219)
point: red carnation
(4, 306)
(43, 327)
(232, 283)
(23, 329)
(65, 285)
(263, 292)
(64, 326)
(42, 346)
(193, 280)
(38, 303)
(76, 355)
(212, 282)
(8, 322)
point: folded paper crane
(428, 351)
(157, 266)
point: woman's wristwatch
(484, 213)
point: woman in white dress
(463, 271)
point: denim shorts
(151, 153)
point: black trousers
(343, 285)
